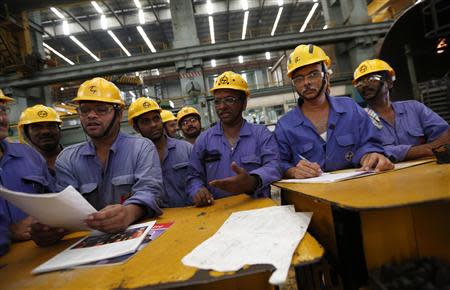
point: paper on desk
(330, 177)
(261, 236)
(67, 209)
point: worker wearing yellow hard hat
(233, 156)
(24, 170)
(170, 123)
(118, 174)
(189, 122)
(144, 115)
(41, 126)
(409, 129)
(324, 133)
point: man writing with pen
(324, 133)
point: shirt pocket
(345, 140)
(251, 162)
(87, 189)
(122, 186)
(416, 136)
(179, 171)
(35, 184)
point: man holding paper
(21, 169)
(330, 133)
(120, 175)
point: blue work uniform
(415, 124)
(255, 150)
(21, 169)
(132, 173)
(174, 169)
(350, 135)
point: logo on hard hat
(363, 69)
(297, 59)
(42, 114)
(93, 89)
(224, 80)
(146, 105)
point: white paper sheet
(98, 246)
(330, 177)
(262, 236)
(67, 209)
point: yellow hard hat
(186, 111)
(5, 98)
(231, 80)
(36, 114)
(99, 90)
(306, 54)
(140, 106)
(167, 116)
(373, 65)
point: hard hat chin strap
(116, 114)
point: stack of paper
(98, 246)
(262, 236)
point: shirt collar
(171, 143)
(335, 106)
(89, 147)
(245, 129)
(10, 150)
(398, 109)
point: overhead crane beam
(205, 52)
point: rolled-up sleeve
(148, 185)
(433, 125)
(270, 170)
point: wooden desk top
(414, 185)
(158, 263)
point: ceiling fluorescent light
(138, 4)
(141, 16)
(267, 55)
(98, 8)
(114, 37)
(146, 39)
(241, 59)
(213, 62)
(244, 5)
(74, 39)
(211, 29)
(308, 18)
(57, 13)
(325, 27)
(65, 27)
(57, 53)
(103, 22)
(280, 2)
(244, 26)
(275, 24)
(209, 7)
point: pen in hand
(309, 162)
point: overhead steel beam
(205, 52)
(76, 20)
(16, 6)
(113, 13)
(158, 21)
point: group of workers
(127, 178)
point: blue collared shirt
(415, 124)
(174, 170)
(21, 169)
(132, 174)
(350, 135)
(255, 150)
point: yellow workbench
(157, 266)
(366, 222)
